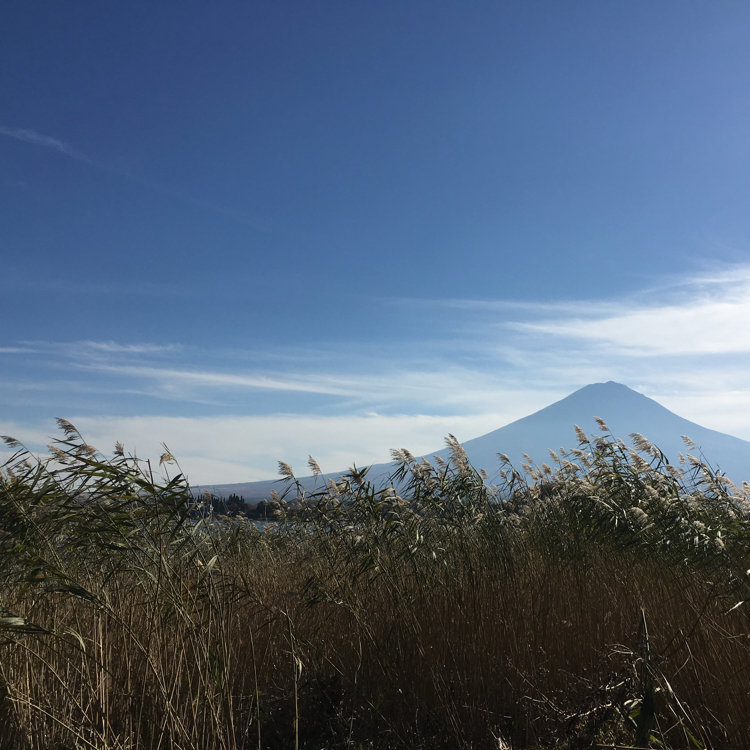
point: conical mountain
(624, 410)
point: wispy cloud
(45, 141)
(84, 347)
(208, 379)
(113, 347)
(713, 320)
(17, 350)
(505, 307)
(445, 387)
(34, 138)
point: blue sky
(260, 230)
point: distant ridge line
(624, 410)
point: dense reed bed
(595, 602)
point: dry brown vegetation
(594, 603)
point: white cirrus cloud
(114, 347)
(46, 141)
(716, 320)
(17, 350)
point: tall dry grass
(598, 601)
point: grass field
(595, 602)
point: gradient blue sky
(260, 230)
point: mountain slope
(624, 410)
